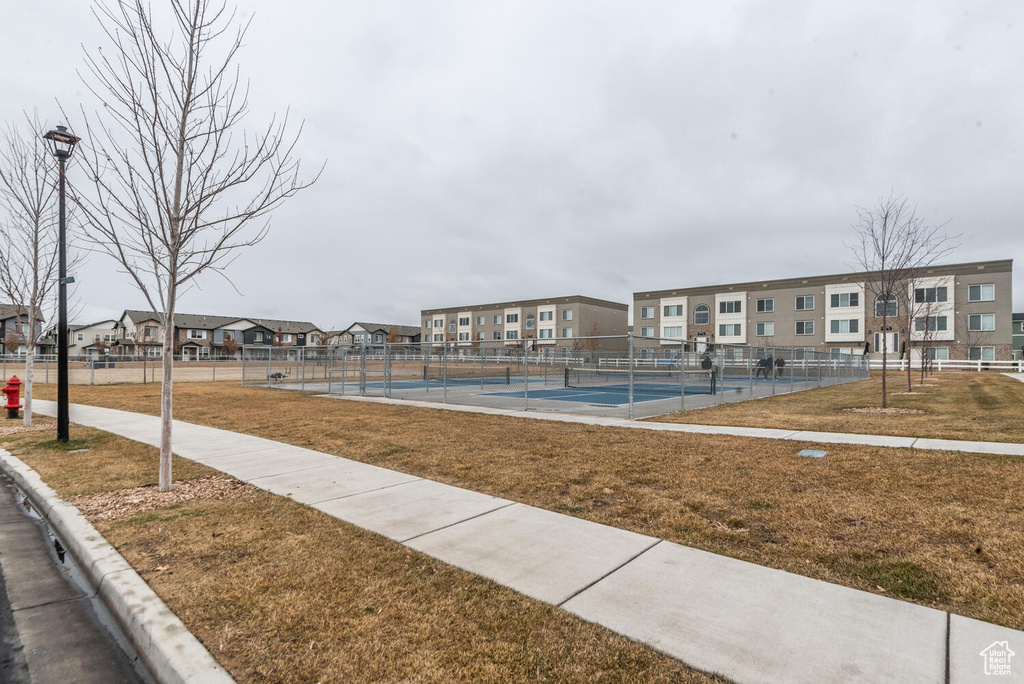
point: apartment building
(1018, 335)
(953, 311)
(508, 324)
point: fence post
(682, 376)
(362, 369)
(721, 374)
(444, 372)
(771, 369)
(215, 367)
(302, 350)
(526, 377)
(631, 376)
(92, 372)
(270, 356)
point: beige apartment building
(953, 311)
(552, 323)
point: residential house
(360, 333)
(14, 329)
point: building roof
(209, 322)
(403, 330)
(1018, 316)
(998, 266)
(571, 299)
(11, 311)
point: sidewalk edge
(170, 652)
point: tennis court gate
(625, 376)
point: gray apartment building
(953, 311)
(552, 323)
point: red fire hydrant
(13, 392)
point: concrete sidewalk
(744, 621)
(998, 448)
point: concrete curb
(171, 653)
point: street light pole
(62, 144)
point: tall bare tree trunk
(885, 352)
(166, 396)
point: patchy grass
(752, 499)
(282, 593)
(951, 405)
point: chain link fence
(622, 376)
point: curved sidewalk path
(747, 622)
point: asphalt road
(48, 629)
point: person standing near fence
(780, 363)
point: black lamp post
(62, 144)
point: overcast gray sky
(492, 151)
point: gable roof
(11, 311)
(403, 330)
(210, 322)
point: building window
(929, 295)
(730, 330)
(496, 335)
(512, 318)
(480, 336)
(451, 326)
(566, 352)
(893, 309)
(845, 299)
(764, 328)
(547, 315)
(258, 337)
(647, 312)
(497, 319)
(981, 353)
(845, 326)
(149, 331)
(439, 323)
(938, 353)
(511, 334)
(426, 323)
(546, 334)
(647, 332)
(805, 327)
(566, 314)
(481, 320)
(766, 305)
(732, 306)
(673, 310)
(930, 323)
(805, 303)
(701, 314)
(96, 337)
(314, 338)
(981, 322)
(981, 293)
(438, 337)
(286, 337)
(81, 337)
(672, 331)
(197, 334)
(464, 321)
(204, 352)
(464, 337)
(531, 322)
(566, 332)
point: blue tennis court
(607, 396)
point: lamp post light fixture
(62, 144)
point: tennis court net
(670, 382)
(469, 374)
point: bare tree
(893, 246)
(230, 346)
(28, 238)
(593, 341)
(178, 187)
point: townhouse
(948, 311)
(14, 329)
(360, 333)
(200, 336)
(552, 323)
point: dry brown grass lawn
(939, 528)
(281, 593)
(973, 406)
